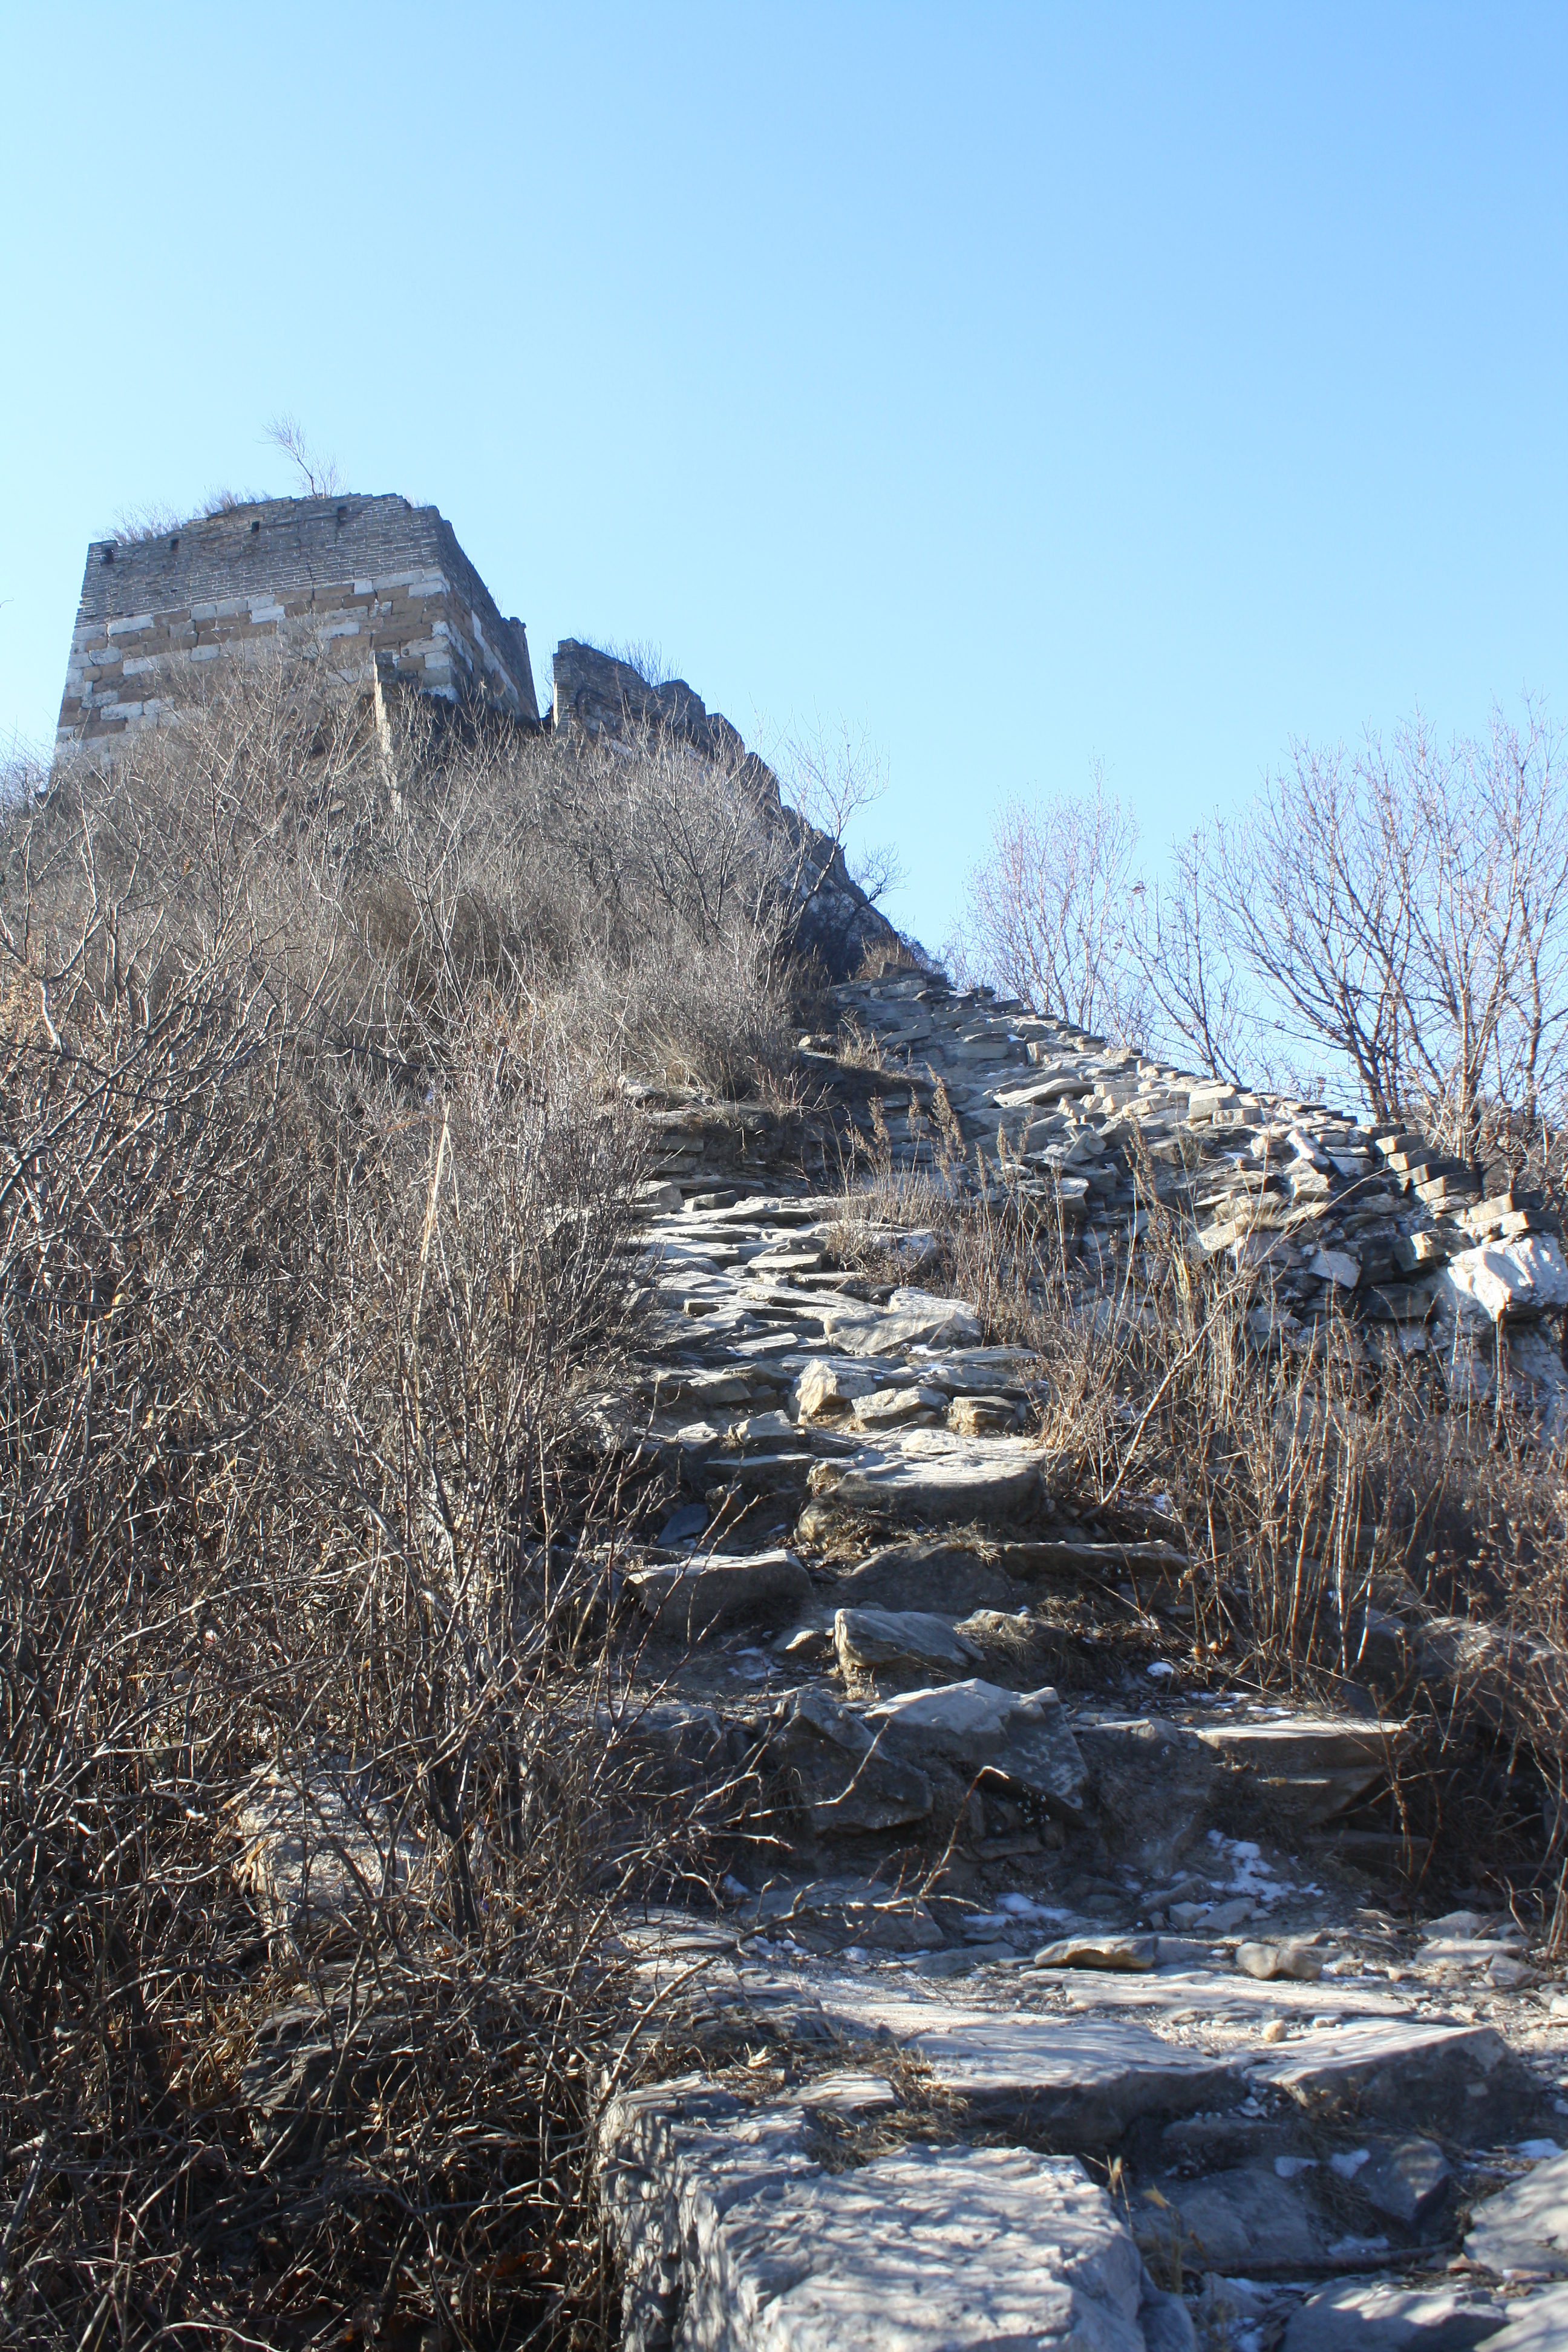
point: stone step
(788, 2226)
(1461, 2081)
(1317, 1764)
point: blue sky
(1016, 387)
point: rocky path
(1047, 2007)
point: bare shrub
(830, 785)
(644, 658)
(1410, 910)
(313, 1272)
(318, 476)
(644, 890)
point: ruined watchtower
(376, 576)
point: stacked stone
(841, 1639)
(1323, 1208)
(383, 583)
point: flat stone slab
(1083, 2080)
(908, 1638)
(911, 1319)
(1524, 2227)
(977, 1371)
(1126, 1955)
(1460, 2081)
(1358, 2316)
(934, 1475)
(1540, 2323)
(1222, 1993)
(735, 2237)
(702, 1595)
(1290, 1959)
(1021, 1737)
(1323, 1763)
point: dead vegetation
(1395, 915)
(1352, 1535)
(317, 1791)
(312, 1271)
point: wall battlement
(373, 576)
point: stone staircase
(1036, 2010)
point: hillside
(710, 1644)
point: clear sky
(1013, 386)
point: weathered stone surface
(703, 1595)
(1124, 1953)
(911, 1318)
(1361, 2317)
(828, 1393)
(901, 1638)
(1154, 1782)
(927, 1574)
(1461, 2081)
(1524, 2227)
(845, 1777)
(384, 580)
(978, 1371)
(734, 2238)
(1085, 2079)
(1540, 2323)
(1248, 2219)
(1316, 1765)
(1301, 1963)
(898, 1408)
(1406, 2178)
(1021, 1738)
(931, 1474)
(1505, 1282)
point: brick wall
(374, 577)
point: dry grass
(312, 1271)
(640, 891)
(1352, 1533)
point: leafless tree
(1184, 959)
(318, 476)
(1050, 909)
(1407, 910)
(832, 782)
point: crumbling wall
(383, 582)
(838, 924)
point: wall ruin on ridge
(385, 582)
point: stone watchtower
(372, 575)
